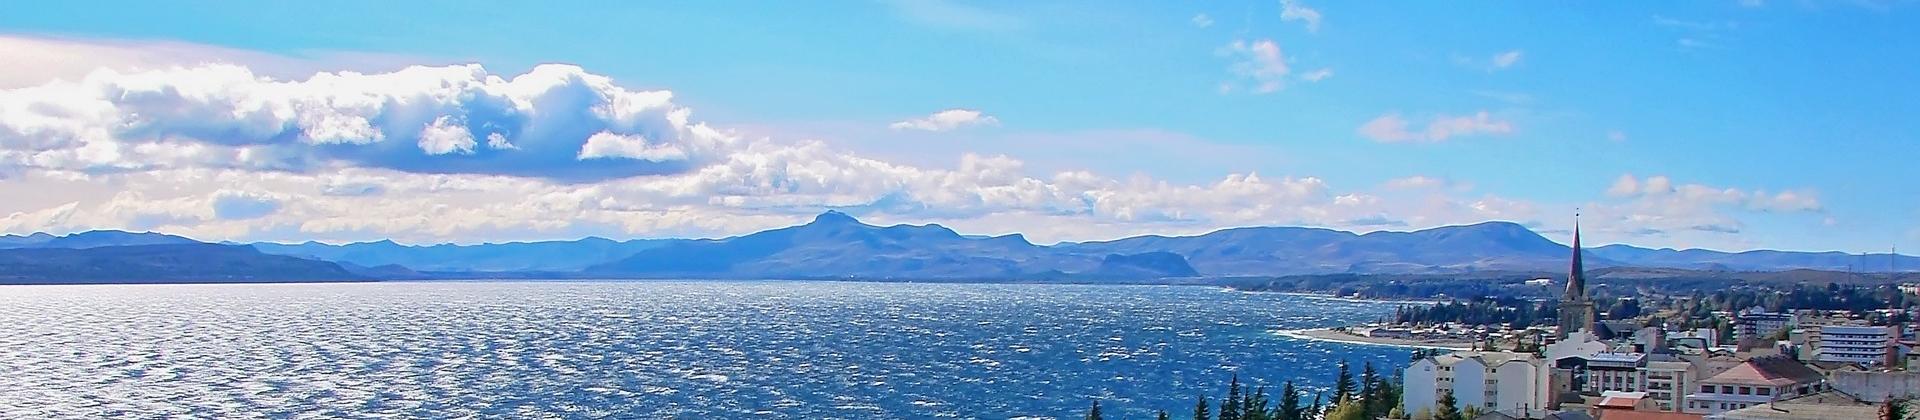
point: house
(1757, 381)
(1827, 405)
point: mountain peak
(834, 217)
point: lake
(653, 349)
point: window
(1706, 388)
(1746, 391)
(1726, 389)
(1766, 391)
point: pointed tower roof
(1576, 275)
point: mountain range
(835, 245)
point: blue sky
(1525, 112)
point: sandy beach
(1332, 335)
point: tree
(1290, 408)
(1347, 410)
(1397, 413)
(1094, 413)
(1449, 408)
(1254, 407)
(1343, 384)
(1472, 412)
(1161, 416)
(1371, 402)
(1230, 407)
(1894, 409)
(1200, 409)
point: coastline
(1337, 336)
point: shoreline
(1336, 336)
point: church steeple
(1576, 311)
(1577, 274)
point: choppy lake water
(651, 349)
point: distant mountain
(1761, 260)
(834, 245)
(166, 263)
(512, 256)
(1151, 265)
(92, 239)
(1489, 246)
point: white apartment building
(1490, 380)
(1863, 344)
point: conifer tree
(1200, 409)
(1449, 408)
(1094, 413)
(1290, 408)
(1343, 384)
(1255, 407)
(1161, 416)
(1370, 385)
(1230, 407)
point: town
(1668, 363)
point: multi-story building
(1755, 325)
(1615, 372)
(1668, 378)
(1490, 380)
(1863, 344)
(1757, 381)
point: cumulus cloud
(1292, 10)
(555, 121)
(1258, 62)
(1392, 128)
(947, 120)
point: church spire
(1576, 312)
(1577, 274)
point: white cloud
(1317, 75)
(1258, 61)
(1292, 10)
(1392, 128)
(1506, 59)
(541, 123)
(947, 120)
(1202, 20)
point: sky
(1728, 125)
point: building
(1829, 405)
(1486, 379)
(1623, 372)
(1757, 325)
(1576, 310)
(1862, 344)
(1668, 378)
(1757, 381)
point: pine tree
(1449, 408)
(1255, 406)
(1200, 409)
(1370, 387)
(1161, 416)
(1094, 413)
(1343, 384)
(1230, 407)
(1290, 408)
